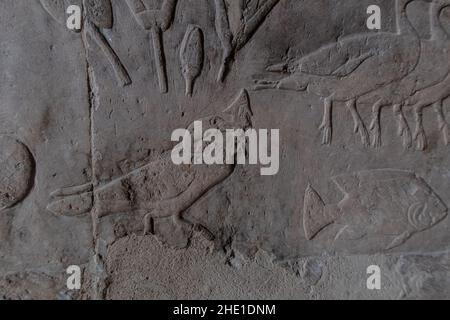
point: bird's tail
(73, 201)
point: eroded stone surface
(16, 172)
(85, 169)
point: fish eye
(424, 217)
(418, 216)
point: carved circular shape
(16, 172)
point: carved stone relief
(87, 178)
(97, 14)
(191, 56)
(392, 203)
(16, 171)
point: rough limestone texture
(86, 176)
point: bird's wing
(338, 59)
(177, 179)
(160, 180)
(351, 65)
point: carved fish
(191, 56)
(392, 204)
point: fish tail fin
(314, 213)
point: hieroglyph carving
(158, 189)
(413, 91)
(156, 21)
(97, 15)
(253, 13)
(342, 71)
(191, 56)
(389, 203)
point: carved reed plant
(157, 21)
(254, 12)
(97, 15)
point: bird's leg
(359, 124)
(442, 122)
(179, 221)
(403, 127)
(419, 133)
(326, 126)
(375, 125)
(148, 224)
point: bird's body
(425, 75)
(351, 67)
(158, 189)
(340, 70)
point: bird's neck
(404, 26)
(437, 31)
